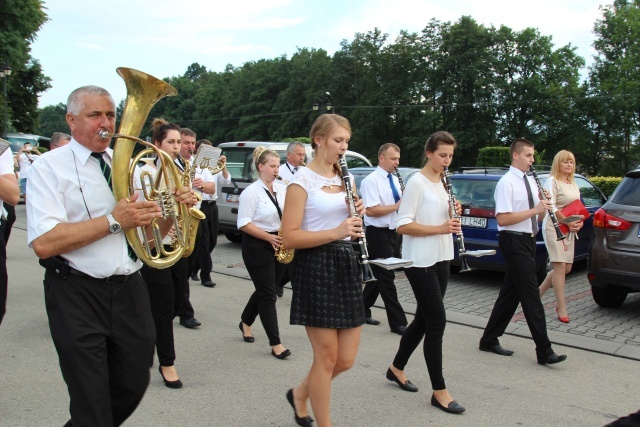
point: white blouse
(257, 207)
(425, 202)
(323, 211)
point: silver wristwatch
(114, 226)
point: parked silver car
(614, 261)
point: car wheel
(609, 297)
(234, 237)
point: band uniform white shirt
(6, 165)
(25, 161)
(257, 207)
(511, 196)
(67, 186)
(376, 191)
(219, 180)
(287, 171)
(206, 176)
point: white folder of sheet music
(391, 263)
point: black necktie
(534, 223)
(104, 166)
(106, 172)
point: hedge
(494, 156)
(606, 183)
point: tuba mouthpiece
(103, 134)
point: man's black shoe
(371, 321)
(280, 291)
(399, 330)
(552, 358)
(194, 277)
(190, 323)
(497, 349)
(208, 283)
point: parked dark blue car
(474, 188)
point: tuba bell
(143, 91)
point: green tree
(52, 119)
(21, 20)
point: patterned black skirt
(327, 287)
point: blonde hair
(560, 157)
(261, 154)
(324, 124)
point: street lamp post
(329, 104)
(4, 72)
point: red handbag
(574, 208)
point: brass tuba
(143, 91)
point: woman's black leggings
(429, 285)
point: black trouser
(166, 293)
(104, 335)
(207, 239)
(6, 225)
(4, 279)
(381, 243)
(429, 286)
(266, 272)
(520, 286)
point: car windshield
(628, 192)
(239, 163)
(475, 193)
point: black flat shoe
(246, 338)
(552, 358)
(400, 330)
(301, 421)
(194, 276)
(453, 407)
(282, 355)
(371, 321)
(406, 386)
(497, 349)
(171, 384)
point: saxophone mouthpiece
(104, 134)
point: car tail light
(604, 220)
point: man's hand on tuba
(130, 213)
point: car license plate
(474, 221)
(233, 198)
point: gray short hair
(57, 136)
(75, 101)
(292, 146)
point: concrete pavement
(232, 383)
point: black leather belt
(209, 202)
(518, 233)
(116, 278)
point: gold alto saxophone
(282, 254)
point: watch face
(114, 228)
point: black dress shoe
(407, 386)
(282, 355)
(208, 283)
(194, 276)
(453, 407)
(280, 291)
(301, 421)
(399, 330)
(371, 321)
(497, 349)
(247, 338)
(552, 358)
(190, 323)
(171, 384)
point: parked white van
(240, 166)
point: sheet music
(207, 157)
(391, 263)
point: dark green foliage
(493, 156)
(606, 183)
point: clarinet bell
(464, 266)
(367, 274)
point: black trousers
(429, 286)
(266, 272)
(381, 243)
(207, 240)
(104, 336)
(166, 294)
(520, 286)
(4, 279)
(6, 226)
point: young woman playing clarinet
(327, 282)
(424, 220)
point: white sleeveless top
(323, 211)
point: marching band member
(295, 160)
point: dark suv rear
(614, 262)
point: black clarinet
(367, 274)
(399, 179)
(552, 215)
